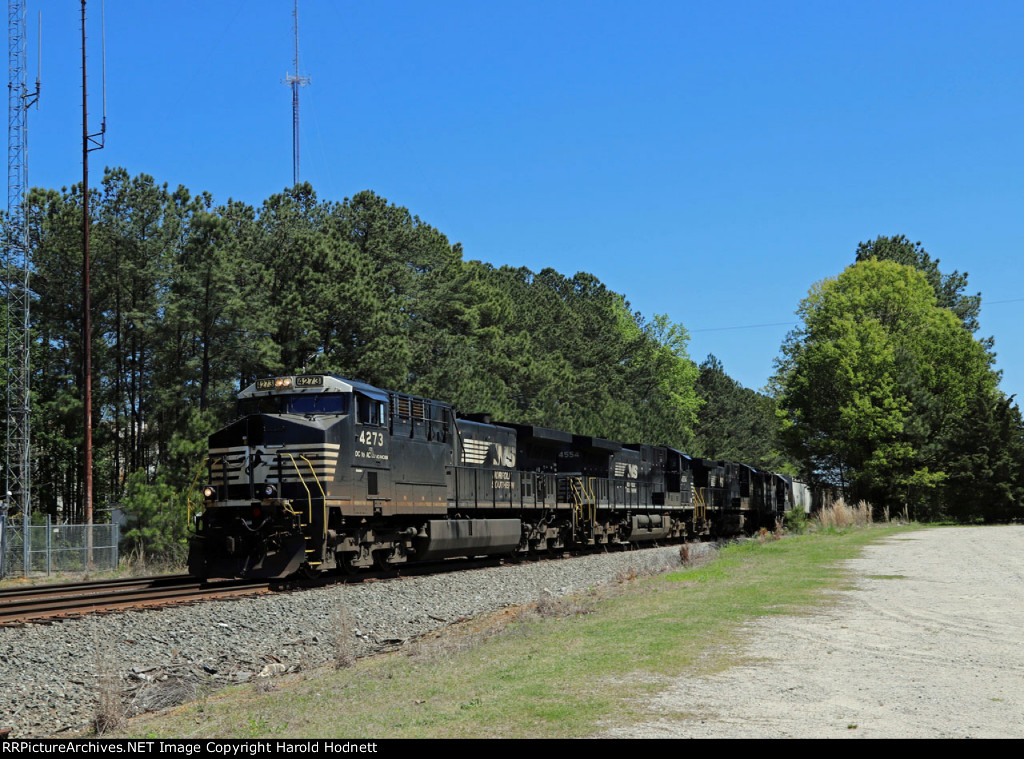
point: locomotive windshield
(299, 403)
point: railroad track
(52, 602)
(67, 600)
(41, 603)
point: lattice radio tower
(17, 265)
(295, 81)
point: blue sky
(710, 160)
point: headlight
(269, 491)
(283, 382)
(209, 492)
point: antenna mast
(18, 263)
(296, 81)
(90, 142)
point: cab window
(371, 411)
(306, 403)
(318, 403)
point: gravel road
(929, 644)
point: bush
(160, 512)
(797, 521)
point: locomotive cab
(319, 472)
(271, 473)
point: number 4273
(370, 437)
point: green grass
(541, 676)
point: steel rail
(64, 601)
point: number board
(285, 383)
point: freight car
(319, 472)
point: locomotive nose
(271, 458)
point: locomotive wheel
(555, 552)
(308, 573)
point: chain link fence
(57, 548)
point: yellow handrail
(323, 495)
(309, 500)
(309, 496)
(577, 509)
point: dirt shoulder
(929, 643)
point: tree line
(885, 393)
(194, 300)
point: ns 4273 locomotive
(318, 472)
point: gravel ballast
(53, 675)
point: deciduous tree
(876, 381)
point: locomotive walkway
(929, 643)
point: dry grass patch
(344, 636)
(839, 515)
(110, 713)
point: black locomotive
(319, 472)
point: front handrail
(323, 495)
(302, 481)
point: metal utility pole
(296, 81)
(17, 265)
(90, 142)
